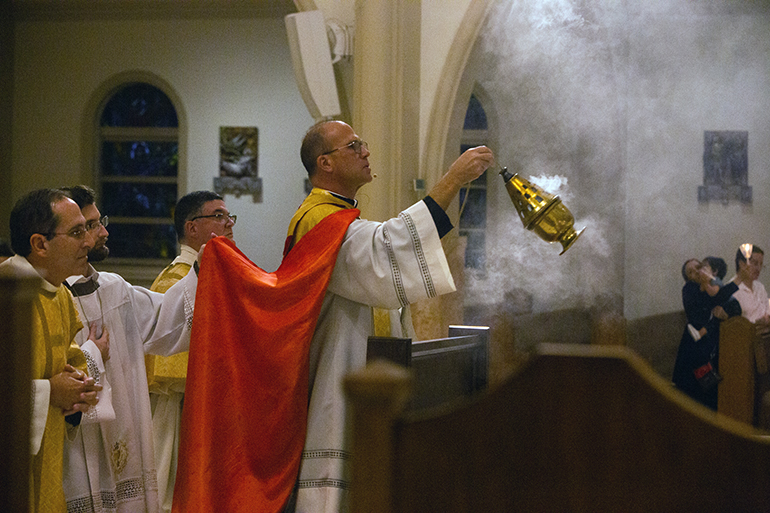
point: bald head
(314, 144)
(336, 158)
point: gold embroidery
(119, 456)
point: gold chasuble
(318, 204)
(246, 402)
(55, 322)
(165, 370)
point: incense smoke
(549, 74)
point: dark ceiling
(149, 9)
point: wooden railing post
(16, 296)
(378, 394)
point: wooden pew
(737, 337)
(743, 364)
(577, 428)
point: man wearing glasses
(109, 464)
(386, 265)
(198, 217)
(306, 333)
(49, 237)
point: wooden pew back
(737, 337)
(578, 428)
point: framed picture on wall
(725, 167)
(238, 157)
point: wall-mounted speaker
(312, 61)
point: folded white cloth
(693, 332)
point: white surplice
(386, 265)
(109, 466)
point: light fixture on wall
(311, 57)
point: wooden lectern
(443, 369)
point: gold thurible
(541, 212)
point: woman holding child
(706, 303)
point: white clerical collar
(187, 255)
(91, 275)
(22, 266)
(353, 202)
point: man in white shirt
(751, 294)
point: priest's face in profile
(97, 230)
(68, 247)
(349, 157)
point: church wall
(676, 68)
(225, 72)
(606, 105)
(690, 69)
(441, 21)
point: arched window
(473, 200)
(137, 173)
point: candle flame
(746, 249)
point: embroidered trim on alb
(419, 254)
(395, 270)
(106, 501)
(189, 308)
(150, 479)
(324, 483)
(93, 371)
(326, 453)
(87, 504)
(129, 489)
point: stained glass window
(138, 172)
(473, 200)
(475, 117)
(138, 105)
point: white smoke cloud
(554, 93)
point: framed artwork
(725, 167)
(238, 152)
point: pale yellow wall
(441, 19)
(678, 69)
(225, 72)
(340, 10)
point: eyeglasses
(78, 233)
(357, 144)
(94, 225)
(219, 218)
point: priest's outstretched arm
(392, 264)
(171, 333)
